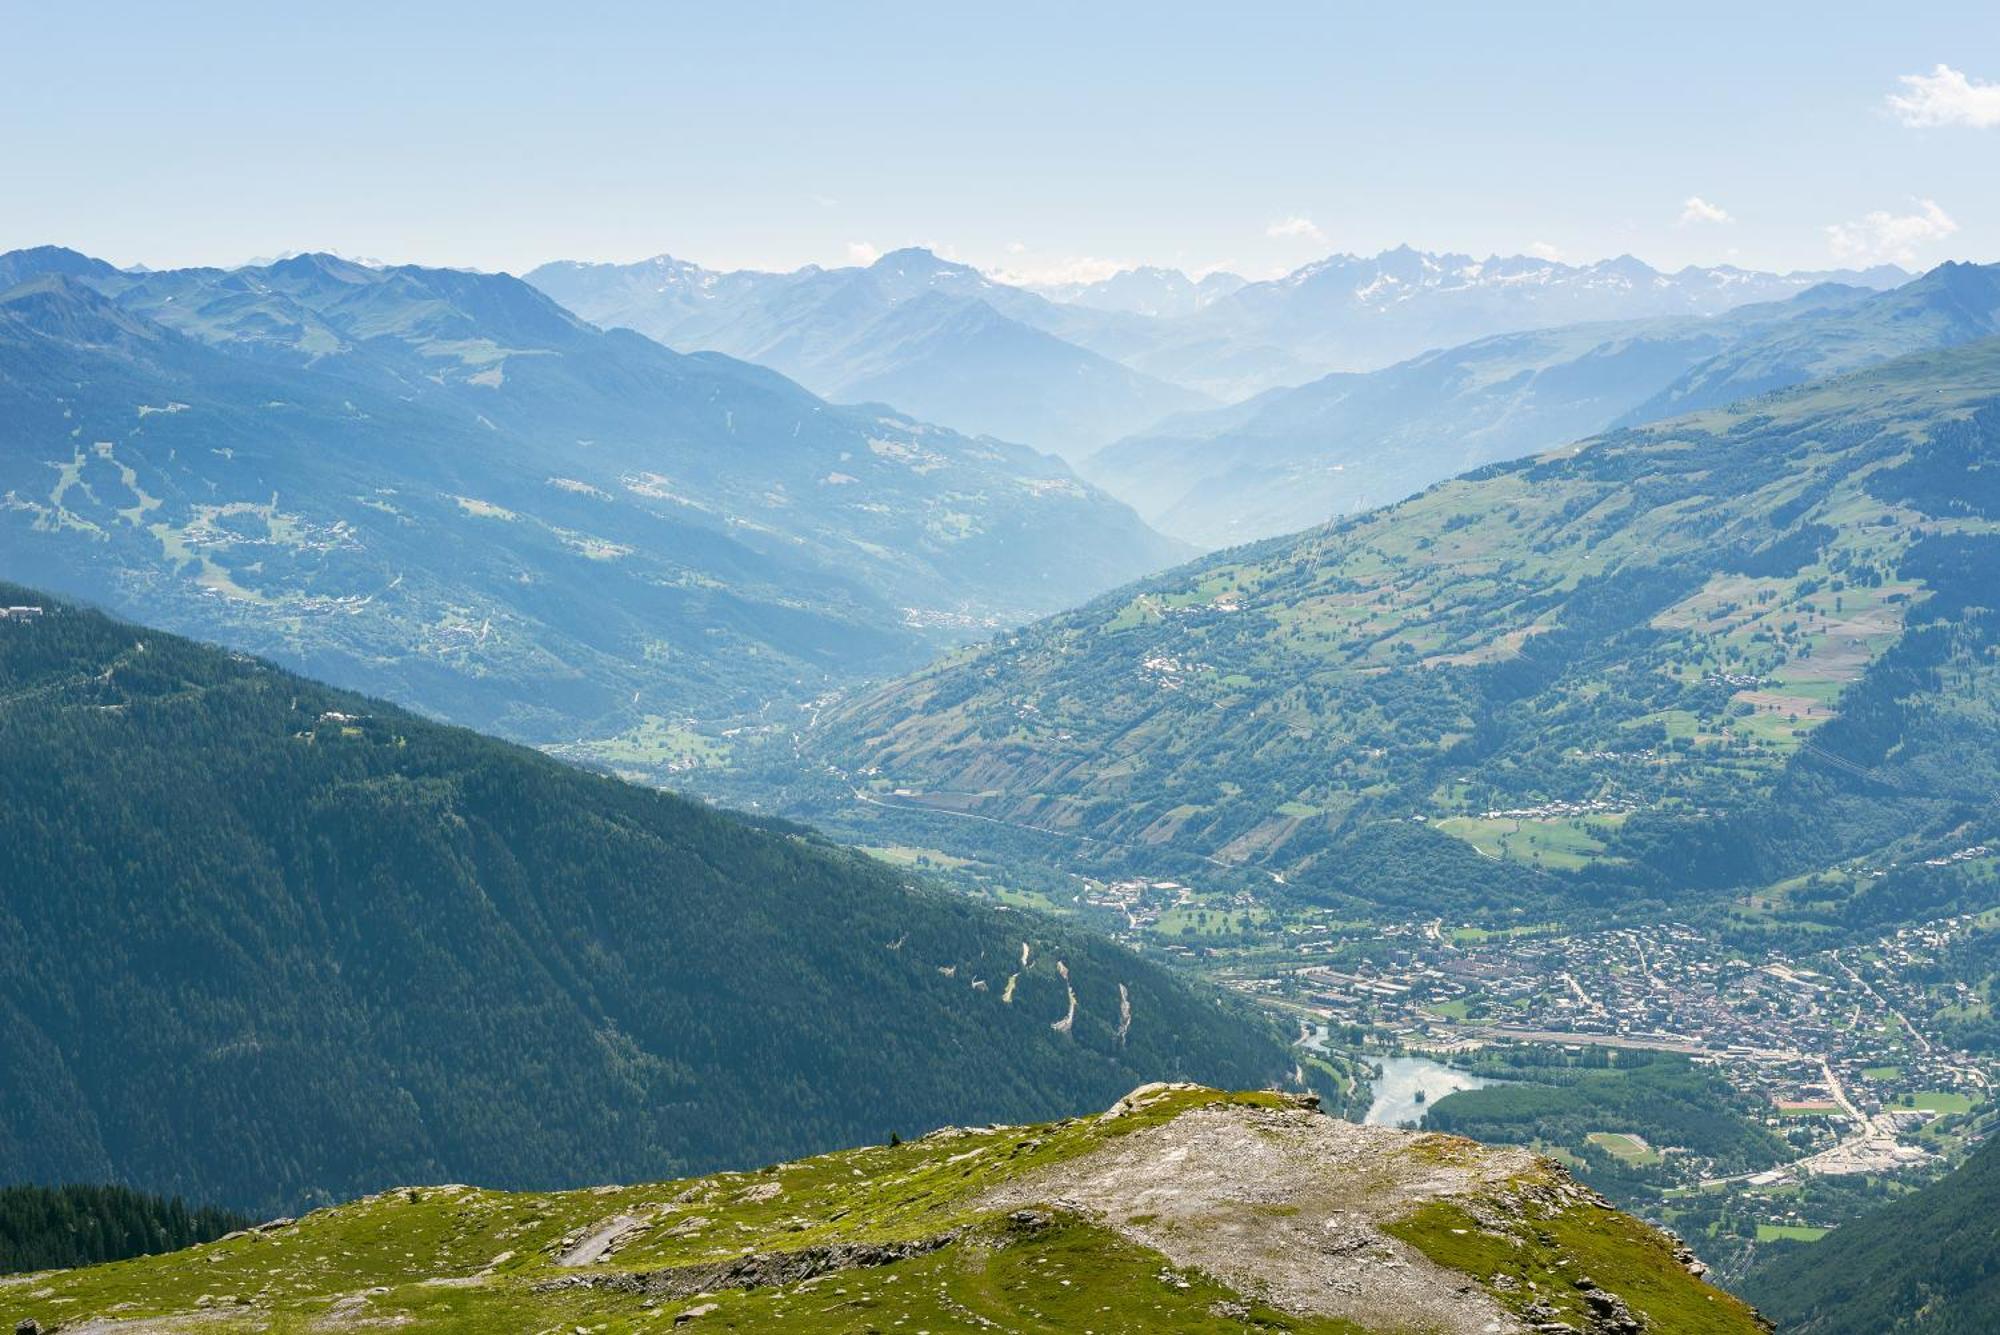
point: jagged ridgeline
(263, 942)
(1179, 1210)
(1748, 647)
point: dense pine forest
(1661, 1096)
(46, 1228)
(267, 943)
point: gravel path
(1284, 1205)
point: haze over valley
(769, 671)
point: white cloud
(1295, 227)
(1544, 250)
(1695, 209)
(1891, 236)
(1946, 97)
(1058, 271)
(860, 252)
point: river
(1403, 1078)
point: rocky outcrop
(758, 1270)
(1283, 1204)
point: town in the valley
(1845, 1055)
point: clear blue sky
(1027, 136)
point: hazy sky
(1035, 138)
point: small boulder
(1029, 1221)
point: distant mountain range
(1952, 304)
(1742, 647)
(1073, 367)
(443, 487)
(936, 339)
(1361, 313)
(1290, 459)
(272, 944)
(1147, 290)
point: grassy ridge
(906, 1237)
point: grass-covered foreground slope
(1732, 649)
(1928, 1264)
(1180, 1209)
(264, 943)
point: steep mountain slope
(1291, 459)
(264, 942)
(442, 487)
(1950, 305)
(1179, 1210)
(1720, 651)
(934, 338)
(1928, 1264)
